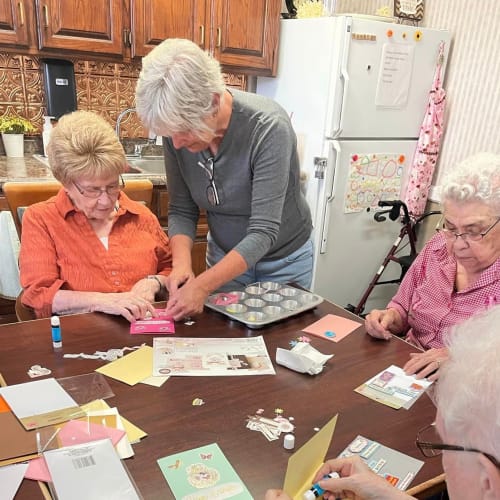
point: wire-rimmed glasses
(96, 192)
(430, 444)
(475, 236)
(212, 193)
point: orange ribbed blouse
(60, 250)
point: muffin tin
(263, 303)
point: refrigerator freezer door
(383, 78)
(350, 247)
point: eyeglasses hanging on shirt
(212, 193)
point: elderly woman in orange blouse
(90, 247)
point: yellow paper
(134, 433)
(305, 462)
(132, 368)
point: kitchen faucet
(137, 147)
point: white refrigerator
(356, 90)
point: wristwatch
(154, 277)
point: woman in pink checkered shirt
(457, 274)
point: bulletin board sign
(409, 9)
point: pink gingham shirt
(427, 300)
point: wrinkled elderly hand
(276, 495)
(127, 304)
(186, 301)
(356, 481)
(146, 288)
(382, 324)
(426, 364)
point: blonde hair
(176, 87)
(83, 144)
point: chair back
(23, 313)
(20, 195)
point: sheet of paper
(392, 387)
(211, 356)
(78, 432)
(202, 473)
(90, 470)
(40, 403)
(132, 368)
(332, 327)
(37, 470)
(397, 468)
(161, 324)
(10, 479)
(134, 433)
(395, 75)
(155, 381)
(15, 440)
(305, 462)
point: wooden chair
(23, 313)
(20, 195)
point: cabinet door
(81, 25)
(245, 35)
(155, 20)
(14, 23)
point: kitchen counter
(30, 169)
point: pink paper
(78, 432)
(37, 470)
(332, 327)
(161, 324)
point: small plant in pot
(13, 129)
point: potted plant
(13, 129)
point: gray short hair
(477, 178)
(176, 87)
(468, 391)
(84, 144)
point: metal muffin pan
(265, 303)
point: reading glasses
(475, 236)
(212, 193)
(95, 192)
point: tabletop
(173, 424)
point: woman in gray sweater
(233, 154)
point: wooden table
(174, 425)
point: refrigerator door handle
(329, 196)
(341, 95)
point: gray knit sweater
(263, 214)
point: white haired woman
(233, 154)
(457, 273)
(91, 248)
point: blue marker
(55, 325)
(316, 490)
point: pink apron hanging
(427, 151)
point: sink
(147, 164)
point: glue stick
(55, 325)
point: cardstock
(78, 432)
(203, 473)
(332, 327)
(15, 440)
(90, 470)
(38, 471)
(4, 406)
(132, 368)
(10, 479)
(305, 462)
(40, 403)
(161, 324)
(155, 381)
(134, 433)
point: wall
(105, 88)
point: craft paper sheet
(392, 387)
(202, 473)
(90, 470)
(211, 356)
(40, 403)
(10, 479)
(397, 468)
(332, 327)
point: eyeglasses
(429, 443)
(212, 193)
(95, 192)
(466, 236)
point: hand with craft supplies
(426, 364)
(382, 324)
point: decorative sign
(409, 9)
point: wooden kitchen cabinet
(81, 25)
(16, 23)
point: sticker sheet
(211, 356)
(397, 468)
(202, 473)
(392, 387)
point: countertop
(30, 169)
